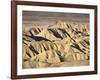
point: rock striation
(59, 44)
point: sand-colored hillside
(61, 44)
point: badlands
(61, 44)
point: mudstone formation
(59, 45)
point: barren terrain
(60, 44)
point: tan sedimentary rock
(62, 44)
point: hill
(59, 44)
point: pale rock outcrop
(61, 44)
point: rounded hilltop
(58, 24)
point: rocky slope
(59, 44)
